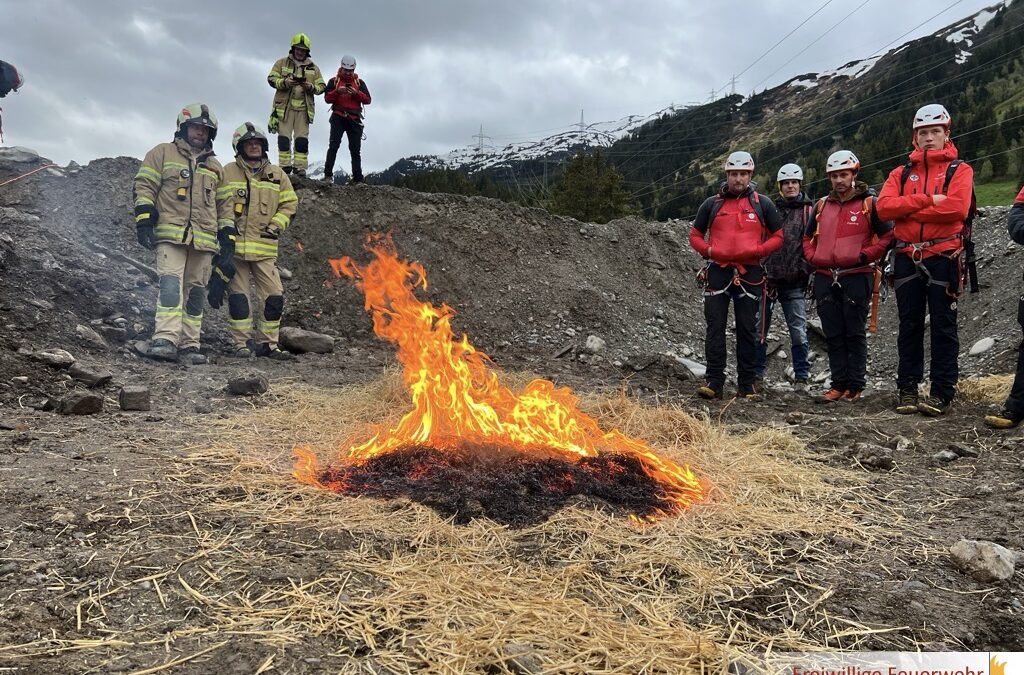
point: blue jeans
(794, 306)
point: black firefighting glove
(145, 224)
(217, 287)
(226, 238)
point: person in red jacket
(347, 93)
(1013, 410)
(844, 240)
(734, 230)
(929, 198)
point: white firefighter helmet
(739, 161)
(246, 132)
(842, 159)
(790, 172)
(933, 114)
(197, 113)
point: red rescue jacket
(735, 234)
(846, 235)
(917, 217)
(345, 103)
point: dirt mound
(526, 285)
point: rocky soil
(530, 289)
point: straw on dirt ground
(356, 585)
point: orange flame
(457, 399)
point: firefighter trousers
(183, 272)
(295, 123)
(264, 276)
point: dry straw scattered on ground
(987, 389)
(358, 584)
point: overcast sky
(108, 78)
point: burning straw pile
(587, 590)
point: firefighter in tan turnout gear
(263, 204)
(297, 80)
(178, 213)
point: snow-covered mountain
(472, 159)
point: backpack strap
(866, 205)
(907, 168)
(819, 206)
(950, 170)
(716, 206)
(755, 203)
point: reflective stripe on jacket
(295, 97)
(183, 189)
(262, 204)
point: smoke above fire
(470, 435)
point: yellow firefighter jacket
(295, 97)
(182, 186)
(262, 203)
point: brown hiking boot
(906, 404)
(831, 396)
(851, 395)
(933, 406)
(1006, 419)
(709, 392)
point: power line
(772, 48)
(650, 190)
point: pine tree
(590, 190)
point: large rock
(91, 336)
(982, 346)
(594, 345)
(91, 377)
(81, 403)
(302, 341)
(985, 561)
(134, 397)
(55, 358)
(249, 385)
(17, 154)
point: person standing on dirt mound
(296, 80)
(347, 93)
(844, 241)
(1013, 410)
(930, 198)
(177, 212)
(787, 273)
(263, 204)
(733, 231)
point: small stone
(983, 560)
(302, 341)
(203, 407)
(249, 385)
(962, 450)
(90, 336)
(81, 403)
(90, 377)
(945, 456)
(982, 346)
(285, 273)
(55, 358)
(873, 456)
(594, 345)
(519, 658)
(114, 333)
(571, 332)
(902, 444)
(795, 417)
(20, 380)
(134, 397)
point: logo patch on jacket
(751, 216)
(914, 177)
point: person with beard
(844, 241)
(296, 80)
(787, 274)
(263, 205)
(347, 93)
(929, 198)
(733, 231)
(178, 213)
